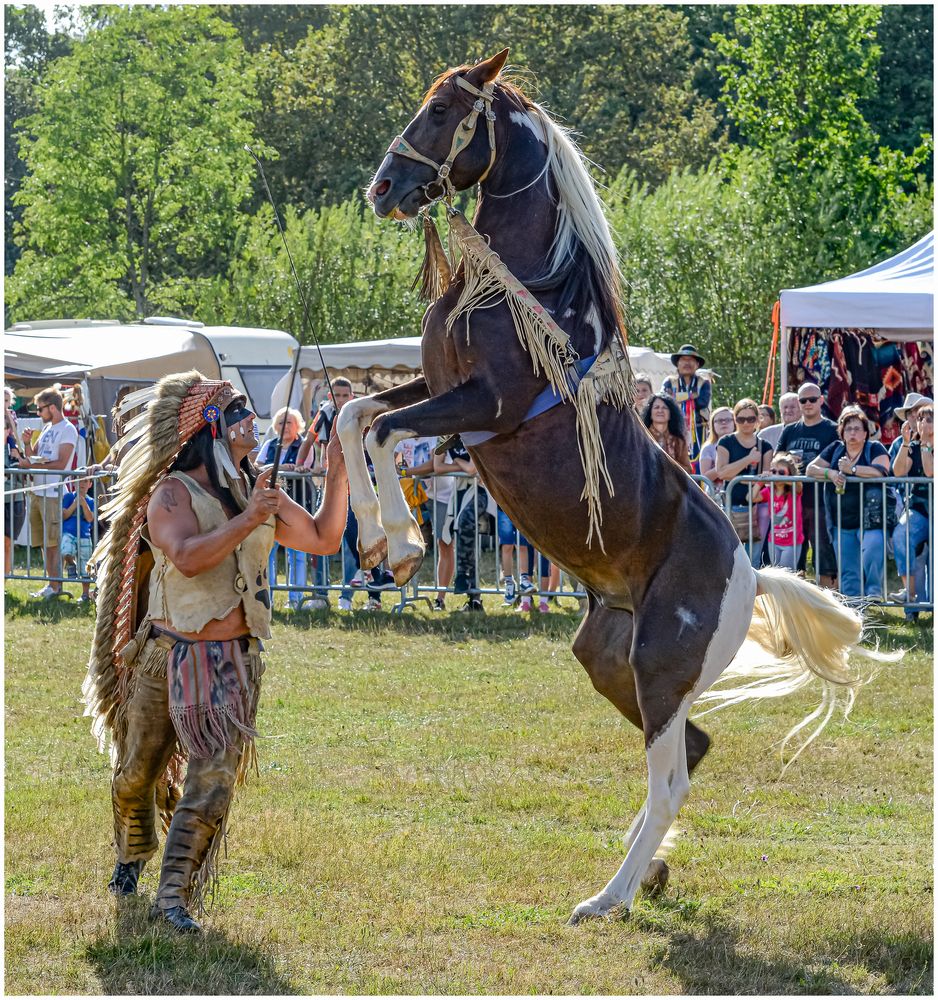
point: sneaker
(84, 599)
(511, 591)
(45, 593)
(526, 587)
(357, 580)
(373, 604)
(345, 604)
(313, 604)
(900, 596)
(473, 604)
(525, 605)
(382, 580)
(543, 606)
(71, 571)
(439, 604)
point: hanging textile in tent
(866, 338)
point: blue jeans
(296, 571)
(508, 534)
(917, 526)
(847, 550)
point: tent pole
(783, 357)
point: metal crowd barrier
(868, 549)
(308, 578)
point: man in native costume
(691, 391)
(183, 604)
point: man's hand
(264, 501)
(335, 457)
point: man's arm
(174, 527)
(319, 533)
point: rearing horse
(672, 594)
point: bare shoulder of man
(170, 510)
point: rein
(464, 134)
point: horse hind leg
(602, 645)
(668, 785)
(667, 683)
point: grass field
(435, 796)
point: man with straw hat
(691, 391)
(183, 604)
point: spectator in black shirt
(915, 457)
(806, 439)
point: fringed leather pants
(198, 820)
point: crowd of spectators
(848, 520)
(813, 489)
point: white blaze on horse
(523, 355)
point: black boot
(178, 918)
(124, 880)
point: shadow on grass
(52, 609)
(140, 957)
(453, 626)
(717, 962)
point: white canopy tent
(376, 364)
(894, 297)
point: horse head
(448, 147)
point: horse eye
(438, 109)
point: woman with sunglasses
(915, 457)
(858, 544)
(721, 424)
(742, 454)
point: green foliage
(28, 49)
(699, 267)
(355, 271)
(901, 109)
(794, 76)
(352, 84)
(137, 170)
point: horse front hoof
(373, 553)
(656, 878)
(408, 565)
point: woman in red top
(786, 533)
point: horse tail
(799, 633)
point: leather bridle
(464, 134)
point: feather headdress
(170, 414)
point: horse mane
(582, 261)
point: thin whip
(309, 325)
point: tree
(355, 271)
(136, 164)
(795, 79)
(28, 49)
(619, 76)
(901, 110)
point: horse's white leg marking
(405, 542)
(668, 780)
(353, 418)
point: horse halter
(464, 134)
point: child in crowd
(786, 534)
(77, 541)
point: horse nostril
(380, 189)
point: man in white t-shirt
(55, 449)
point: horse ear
(488, 69)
